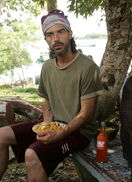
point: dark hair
(73, 45)
(73, 49)
(56, 11)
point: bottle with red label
(101, 153)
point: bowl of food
(47, 126)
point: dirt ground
(16, 172)
(65, 172)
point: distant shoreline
(94, 36)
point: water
(93, 47)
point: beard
(54, 53)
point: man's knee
(31, 157)
(7, 136)
(29, 154)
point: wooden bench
(115, 170)
(6, 113)
(14, 105)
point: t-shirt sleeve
(42, 92)
(91, 83)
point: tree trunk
(118, 52)
(1, 5)
(51, 4)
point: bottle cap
(102, 124)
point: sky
(81, 26)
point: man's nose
(56, 37)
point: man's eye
(48, 35)
(62, 31)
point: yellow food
(48, 126)
(37, 128)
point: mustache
(56, 43)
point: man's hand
(49, 136)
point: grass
(29, 93)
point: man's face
(58, 39)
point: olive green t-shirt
(66, 87)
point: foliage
(28, 94)
(82, 7)
(9, 9)
(20, 5)
(13, 40)
(85, 7)
(48, 4)
(41, 3)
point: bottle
(101, 152)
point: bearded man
(70, 85)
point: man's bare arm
(47, 113)
(85, 114)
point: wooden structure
(116, 169)
(7, 112)
(14, 105)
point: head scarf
(54, 18)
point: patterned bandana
(53, 19)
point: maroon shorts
(49, 154)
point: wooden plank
(7, 112)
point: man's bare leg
(35, 170)
(7, 138)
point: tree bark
(118, 53)
(1, 5)
(52, 4)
